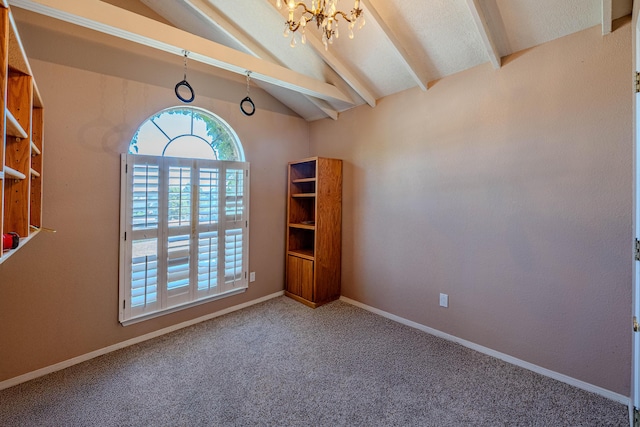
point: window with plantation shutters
(184, 221)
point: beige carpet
(280, 363)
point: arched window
(184, 214)
(187, 132)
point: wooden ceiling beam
(607, 16)
(213, 17)
(482, 25)
(412, 67)
(109, 19)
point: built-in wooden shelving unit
(21, 129)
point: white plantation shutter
(142, 197)
(208, 206)
(234, 217)
(184, 233)
(179, 210)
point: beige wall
(509, 190)
(59, 293)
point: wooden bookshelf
(314, 218)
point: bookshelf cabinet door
(300, 277)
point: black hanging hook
(185, 83)
(247, 99)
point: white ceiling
(404, 44)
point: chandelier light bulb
(326, 15)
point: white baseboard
(88, 356)
(505, 357)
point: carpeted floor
(280, 363)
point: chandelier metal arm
(355, 13)
(293, 25)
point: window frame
(129, 314)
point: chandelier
(325, 13)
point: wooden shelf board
(298, 181)
(304, 195)
(12, 173)
(17, 56)
(303, 226)
(311, 304)
(300, 299)
(13, 127)
(37, 99)
(303, 253)
(23, 241)
(305, 160)
(34, 149)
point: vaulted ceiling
(404, 44)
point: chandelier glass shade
(326, 15)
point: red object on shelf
(10, 241)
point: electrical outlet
(444, 300)
(252, 276)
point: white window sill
(181, 307)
